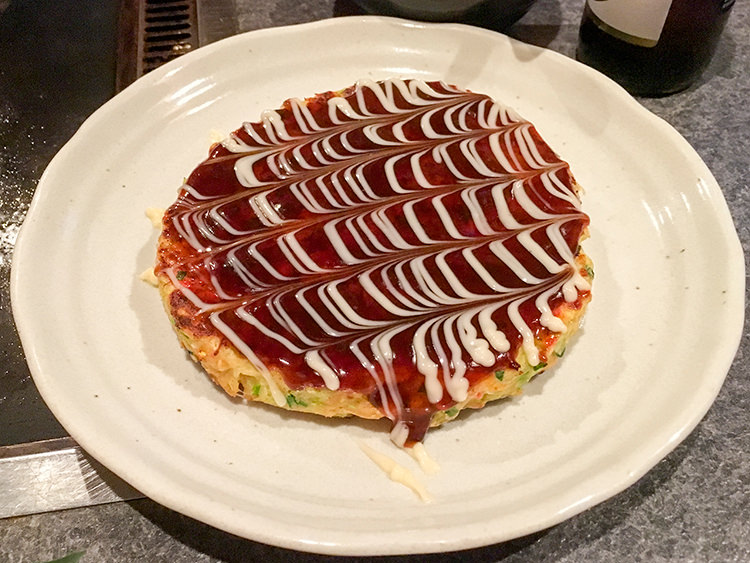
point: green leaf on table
(70, 558)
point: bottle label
(636, 21)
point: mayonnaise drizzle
(444, 265)
(396, 472)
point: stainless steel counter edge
(54, 475)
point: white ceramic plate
(658, 338)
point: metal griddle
(41, 468)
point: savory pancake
(396, 249)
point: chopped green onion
(181, 275)
(453, 411)
(499, 374)
(539, 366)
(291, 400)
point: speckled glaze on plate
(657, 341)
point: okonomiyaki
(399, 249)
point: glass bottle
(651, 47)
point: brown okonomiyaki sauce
(400, 239)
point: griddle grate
(151, 33)
(169, 30)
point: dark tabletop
(54, 72)
(57, 65)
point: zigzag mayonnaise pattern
(401, 226)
